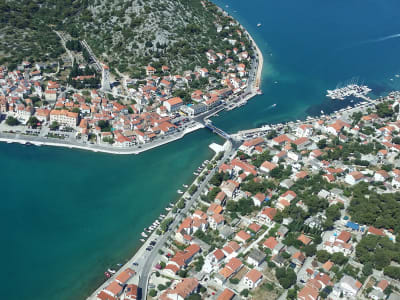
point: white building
(253, 278)
(173, 104)
(64, 117)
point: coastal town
(304, 210)
(130, 115)
(307, 211)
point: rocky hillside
(126, 34)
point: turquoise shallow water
(68, 215)
(315, 45)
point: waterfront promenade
(55, 142)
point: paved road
(71, 142)
(154, 255)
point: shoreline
(37, 141)
(140, 250)
(254, 86)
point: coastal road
(73, 143)
(154, 255)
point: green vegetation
(11, 121)
(165, 224)
(192, 189)
(244, 206)
(198, 265)
(258, 159)
(108, 139)
(378, 251)
(383, 110)
(286, 277)
(379, 210)
(105, 126)
(54, 125)
(121, 33)
(218, 178)
(33, 121)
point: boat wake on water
(373, 41)
(270, 107)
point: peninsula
(80, 102)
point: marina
(351, 90)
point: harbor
(351, 90)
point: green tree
(11, 121)
(244, 293)
(194, 297)
(338, 258)
(33, 121)
(54, 125)
(323, 256)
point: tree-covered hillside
(126, 34)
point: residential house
(253, 278)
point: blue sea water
(68, 215)
(310, 46)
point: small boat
(259, 25)
(273, 105)
(185, 186)
(119, 265)
(168, 208)
(194, 173)
(322, 112)
(111, 271)
(142, 240)
(180, 192)
(276, 82)
(144, 235)
(108, 275)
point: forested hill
(125, 34)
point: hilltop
(127, 35)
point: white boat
(144, 235)
(194, 173)
(168, 208)
(142, 240)
(259, 25)
(322, 112)
(185, 185)
(273, 105)
(180, 192)
(111, 271)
